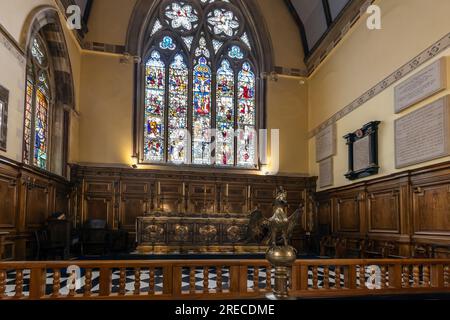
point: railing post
(294, 278)
(234, 279)
(303, 278)
(176, 282)
(395, 276)
(350, 277)
(243, 275)
(168, 279)
(105, 282)
(437, 276)
(37, 283)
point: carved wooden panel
(324, 213)
(348, 214)
(132, 207)
(62, 199)
(170, 196)
(8, 202)
(431, 209)
(37, 205)
(384, 211)
(99, 186)
(99, 208)
(135, 187)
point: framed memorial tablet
(423, 135)
(363, 151)
(423, 85)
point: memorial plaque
(423, 85)
(326, 173)
(361, 153)
(326, 143)
(423, 135)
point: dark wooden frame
(369, 130)
(4, 99)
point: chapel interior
(149, 143)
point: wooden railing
(217, 279)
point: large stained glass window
(200, 87)
(37, 106)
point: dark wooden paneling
(8, 201)
(132, 206)
(97, 207)
(384, 211)
(431, 209)
(126, 194)
(404, 214)
(347, 214)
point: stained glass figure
(223, 22)
(202, 113)
(37, 51)
(182, 16)
(28, 119)
(247, 138)
(154, 108)
(235, 53)
(202, 48)
(167, 43)
(41, 129)
(178, 104)
(188, 41)
(225, 115)
(156, 27)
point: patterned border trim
(406, 69)
(11, 45)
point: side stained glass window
(200, 86)
(178, 110)
(37, 106)
(246, 118)
(225, 115)
(155, 78)
(202, 113)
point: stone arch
(45, 20)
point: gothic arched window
(199, 92)
(37, 105)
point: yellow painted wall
(106, 110)
(363, 59)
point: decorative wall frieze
(8, 42)
(397, 75)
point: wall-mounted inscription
(326, 143)
(4, 95)
(363, 151)
(423, 135)
(423, 85)
(326, 173)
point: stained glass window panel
(40, 130)
(154, 108)
(178, 106)
(27, 124)
(247, 142)
(202, 113)
(246, 117)
(225, 115)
